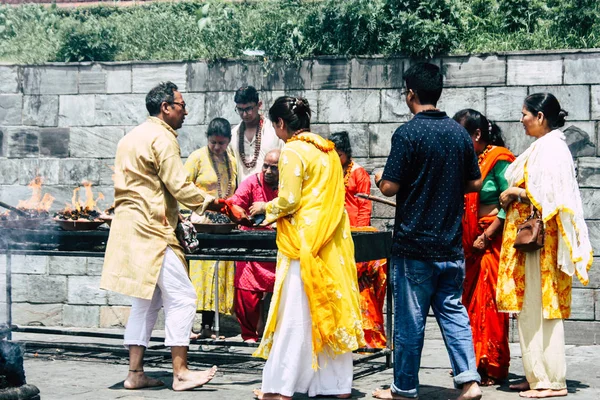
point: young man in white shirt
(254, 137)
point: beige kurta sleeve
(174, 176)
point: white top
(269, 141)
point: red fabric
(247, 311)
(471, 215)
(489, 327)
(372, 279)
(359, 210)
(372, 276)
(252, 275)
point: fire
(37, 202)
(79, 209)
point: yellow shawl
(313, 226)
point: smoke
(12, 373)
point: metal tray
(214, 228)
(79, 225)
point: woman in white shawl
(537, 285)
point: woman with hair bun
(537, 284)
(482, 224)
(314, 321)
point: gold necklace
(347, 173)
(481, 157)
(214, 165)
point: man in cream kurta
(143, 257)
(255, 131)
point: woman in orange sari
(372, 275)
(483, 222)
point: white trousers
(176, 293)
(542, 340)
(289, 367)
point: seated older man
(254, 280)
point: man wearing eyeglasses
(143, 258)
(254, 281)
(254, 137)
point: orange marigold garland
(329, 146)
(347, 173)
(481, 157)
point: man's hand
(377, 176)
(258, 207)
(217, 205)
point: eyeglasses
(404, 92)
(273, 168)
(180, 104)
(243, 111)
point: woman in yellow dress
(314, 321)
(213, 170)
(537, 284)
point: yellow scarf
(313, 226)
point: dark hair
(245, 95)
(161, 93)
(426, 81)
(342, 142)
(549, 106)
(294, 111)
(219, 127)
(473, 120)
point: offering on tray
(212, 222)
(210, 217)
(79, 215)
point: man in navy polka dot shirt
(431, 165)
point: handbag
(530, 234)
(187, 236)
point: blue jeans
(417, 285)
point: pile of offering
(30, 213)
(80, 216)
(212, 222)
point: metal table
(234, 246)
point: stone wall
(63, 121)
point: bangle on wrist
(519, 195)
(378, 182)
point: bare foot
(387, 394)
(272, 396)
(258, 394)
(520, 386)
(470, 391)
(192, 379)
(543, 393)
(139, 380)
(488, 381)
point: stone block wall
(63, 122)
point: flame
(78, 207)
(37, 202)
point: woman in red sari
(483, 222)
(372, 275)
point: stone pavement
(95, 370)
